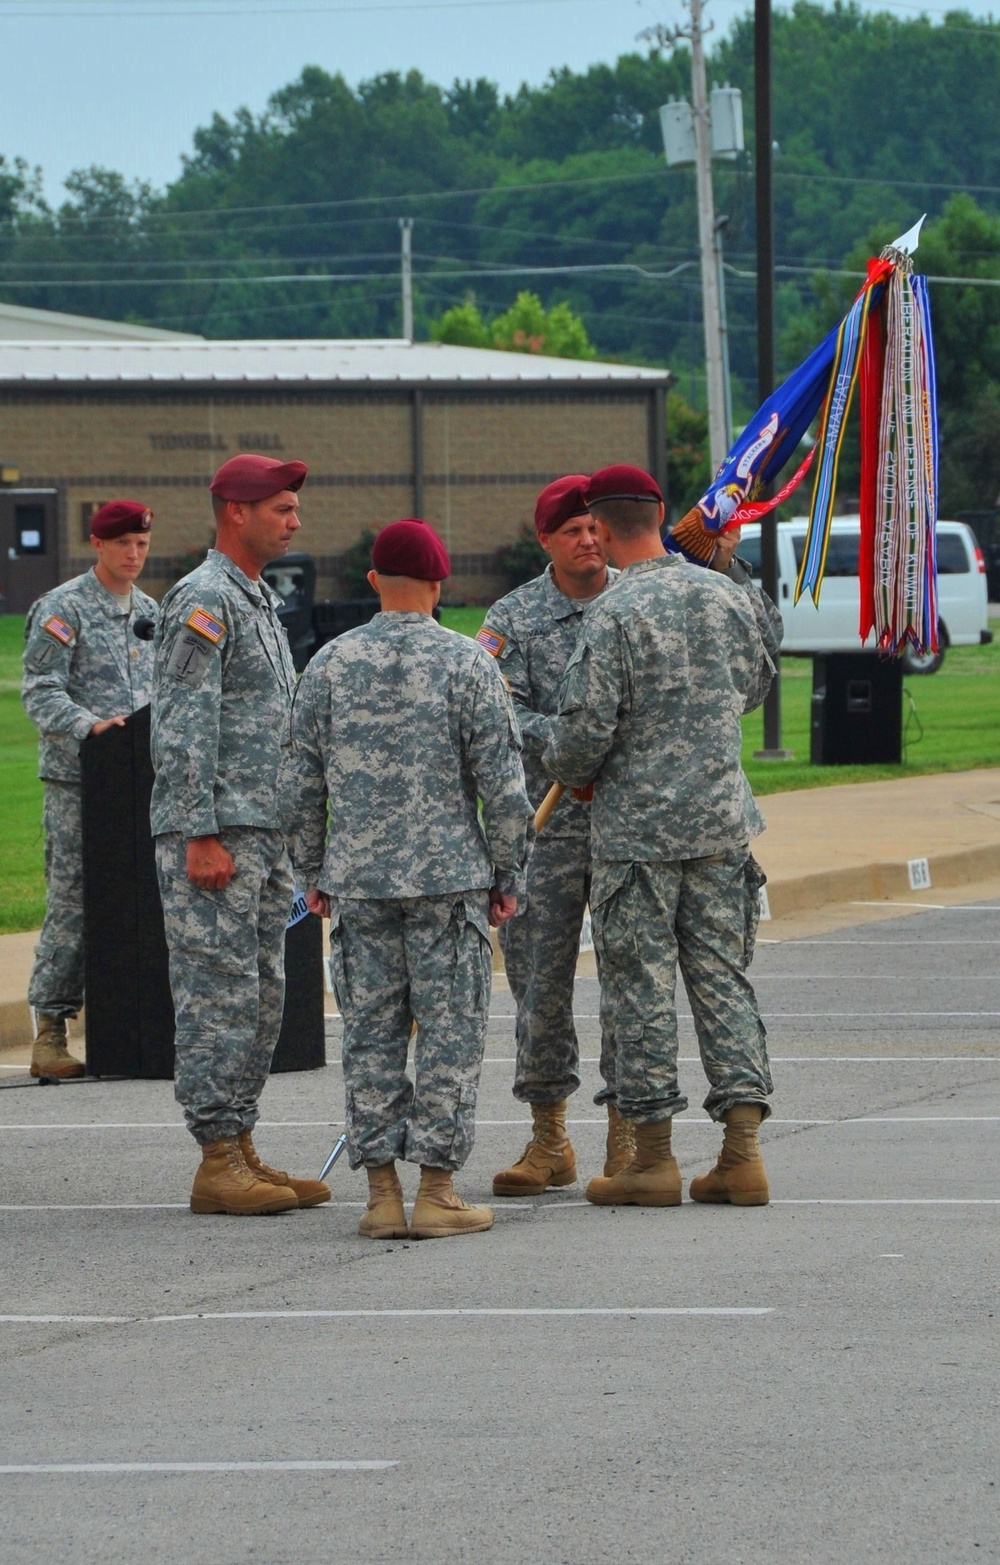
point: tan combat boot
(739, 1176)
(620, 1147)
(224, 1183)
(49, 1054)
(547, 1161)
(308, 1192)
(385, 1218)
(651, 1179)
(438, 1213)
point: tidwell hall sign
(206, 440)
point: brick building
(462, 436)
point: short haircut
(218, 506)
(628, 518)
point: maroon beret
(560, 501)
(120, 516)
(411, 548)
(248, 478)
(621, 482)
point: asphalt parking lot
(813, 1381)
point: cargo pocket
(236, 943)
(609, 880)
(338, 976)
(754, 879)
(473, 976)
(464, 1125)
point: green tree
(462, 326)
(688, 469)
(522, 560)
(355, 563)
(527, 327)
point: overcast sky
(125, 83)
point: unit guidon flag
(885, 342)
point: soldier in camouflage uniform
(398, 728)
(667, 663)
(221, 701)
(84, 672)
(532, 633)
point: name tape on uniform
(206, 625)
(491, 640)
(58, 627)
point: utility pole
(667, 37)
(406, 262)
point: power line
(342, 277)
(218, 216)
(610, 269)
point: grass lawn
(951, 719)
(22, 886)
(952, 723)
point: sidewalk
(832, 856)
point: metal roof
(372, 361)
(18, 322)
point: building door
(29, 547)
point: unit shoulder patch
(58, 627)
(206, 625)
(491, 640)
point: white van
(833, 627)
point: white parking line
(771, 1016)
(562, 1206)
(823, 940)
(619, 1312)
(183, 1206)
(894, 1201)
(680, 1123)
(931, 907)
(27, 1468)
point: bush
(354, 565)
(522, 560)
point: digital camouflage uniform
(398, 728)
(532, 633)
(221, 699)
(668, 661)
(82, 664)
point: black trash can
(129, 1010)
(857, 709)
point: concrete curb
(880, 882)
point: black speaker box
(857, 709)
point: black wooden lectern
(130, 1015)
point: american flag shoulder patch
(491, 640)
(207, 625)
(58, 627)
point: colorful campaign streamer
(885, 343)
